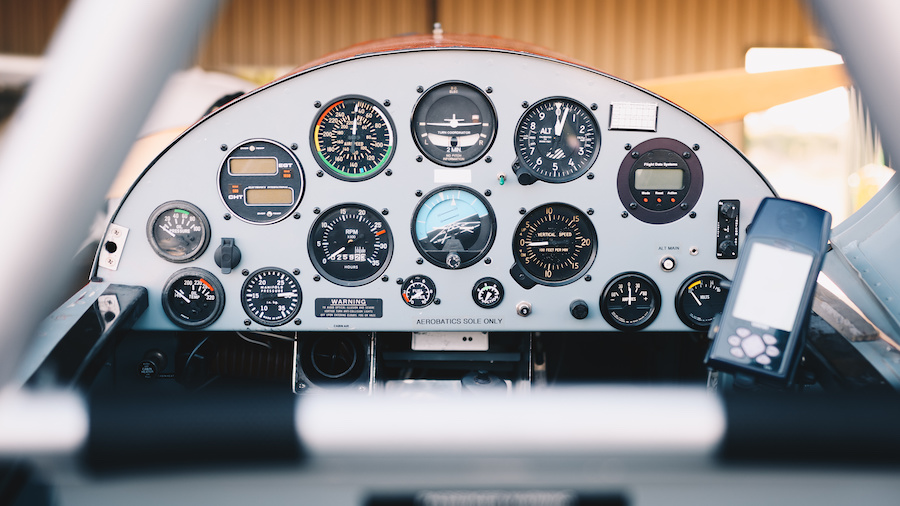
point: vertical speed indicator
(553, 245)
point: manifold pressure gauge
(193, 298)
(271, 296)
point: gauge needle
(560, 120)
(166, 230)
(539, 243)
(181, 295)
(287, 295)
(336, 253)
(695, 298)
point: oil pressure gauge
(178, 231)
(630, 301)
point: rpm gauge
(553, 245)
(350, 244)
(453, 227)
(557, 140)
(454, 124)
(630, 301)
(353, 138)
(271, 296)
(178, 231)
(193, 298)
(700, 298)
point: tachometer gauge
(454, 124)
(630, 301)
(178, 231)
(350, 244)
(353, 138)
(557, 140)
(193, 298)
(700, 298)
(553, 245)
(453, 227)
(418, 291)
(271, 296)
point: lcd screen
(772, 286)
(253, 166)
(658, 179)
(269, 196)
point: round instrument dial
(553, 245)
(271, 296)
(630, 301)
(557, 140)
(453, 227)
(454, 124)
(178, 231)
(418, 291)
(487, 293)
(700, 298)
(350, 244)
(193, 298)
(353, 138)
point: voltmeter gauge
(557, 140)
(350, 244)
(553, 245)
(487, 293)
(178, 231)
(700, 298)
(453, 227)
(271, 296)
(353, 138)
(193, 298)
(454, 124)
(418, 291)
(630, 301)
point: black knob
(579, 309)
(728, 210)
(152, 364)
(523, 176)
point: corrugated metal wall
(633, 39)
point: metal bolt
(635, 154)
(246, 323)
(387, 103)
(693, 214)
(488, 160)
(419, 89)
(624, 214)
(489, 90)
(389, 172)
(399, 281)
(384, 212)
(319, 173)
(245, 272)
(296, 216)
(224, 147)
(487, 193)
(437, 302)
(385, 278)
(296, 272)
(294, 146)
(298, 321)
(590, 211)
(633, 205)
(317, 104)
(588, 277)
(316, 210)
(627, 147)
(524, 104)
(594, 107)
(226, 217)
(419, 158)
(590, 175)
(696, 147)
(317, 278)
(684, 206)
(418, 193)
(686, 154)
(522, 210)
(419, 261)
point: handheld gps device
(760, 332)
